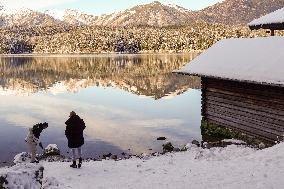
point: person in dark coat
(74, 134)
(32, 139)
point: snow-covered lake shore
(229, 167)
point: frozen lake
(126, 101)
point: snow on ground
(230, 167)
(234, 141)
(233, 167)
(22, 158)
(21, 176)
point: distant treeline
(86, 39)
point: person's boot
(80, 162)
(35, 160)
(73, 165)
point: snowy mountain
(229, 12)
(234, 12)
(76, 17)
(73, 17)
(153, 14)
(25, 17)
(57, 14)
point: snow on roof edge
(229, 79)
(276, 17)
(250, 60)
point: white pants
(32, 149)
(79, 152)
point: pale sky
(99, 7)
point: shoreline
(98, 54)
(231, 167)
(166, 148)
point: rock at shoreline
(114, 157)
(185, 147)
(51, 150)
(195, 142)
(22, 157)
(261, 145)
(168, 147)
(161, 138)
(107, 156)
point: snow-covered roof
(256, 60)
(274, 19)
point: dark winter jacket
(37, 129)
(74, 131)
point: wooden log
(203, 95)
(239, 126)
(245, 105)
(266, 103)
(254, 108)
(241, 130)
(243, 94)
(244, 109)
(247, 114)
(247, 92)
(276, 108)
(238, 86)
(249, 124)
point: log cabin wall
(254, 109)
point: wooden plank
(247, 99)
(253, 108)
(237, 126)
(203, 95)
(244, 109)
(245, 105)
(239, 86)
(246, 122)
(212, 121)
(242, 131)
(271, 26)
(253, 90)
(261, 93)
(265, 105)
(252, 131)
(224, 92)
(247, 114)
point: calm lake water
(127, 101)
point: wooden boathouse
(243, 85)
(273, 21)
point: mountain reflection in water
(126, 100)
(148, 75)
